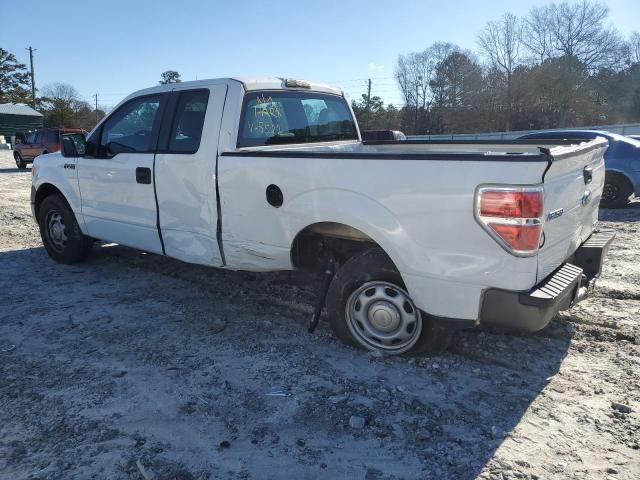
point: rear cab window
(186, 130)
(284, 117)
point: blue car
(622, 163)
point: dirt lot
(133, 366)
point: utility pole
(415, 121)
(33, 78)
(96, 98)
(366, 125)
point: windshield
(281, 117)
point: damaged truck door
(185, 175)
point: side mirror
(73, 145)
(18, 141)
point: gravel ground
(133, 366)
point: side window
(131, 128)
(38, 137)
(51, 136)
(30, 138)
(186, 130)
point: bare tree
(438, 54)
(537, 35)
(501, 42)
(412, 74)
(634, 47)
(417, 77)
(462, 79)
(62, 107)
(576, 30)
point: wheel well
(313, 245)
(43, 192)
(624, 178)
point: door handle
(143, 175)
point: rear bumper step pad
(569, 284)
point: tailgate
(572, 189)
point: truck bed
(414, 199)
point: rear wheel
(616, 191)
(20, 163)
(370, 308)
(60, 232)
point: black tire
(373, 269)
(20, 162)
(616, 192)
(60, 232)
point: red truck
(44, 140)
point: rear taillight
(512, 216)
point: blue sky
(114, 47)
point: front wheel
(60, 232)
(370, 308)
(20, 163)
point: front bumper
(572, 282)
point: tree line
(560, 66)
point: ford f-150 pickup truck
(259, 174)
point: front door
(185, 174)
(116, 183)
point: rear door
(26, 148)
(185, 172)
(572, 190)
(37, 146)
(116, 184)
(33, 145)
(51, 140)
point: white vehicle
(416, 238)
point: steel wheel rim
(382, 316)
(610, 191)
(56, 231)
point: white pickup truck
(415, 238)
